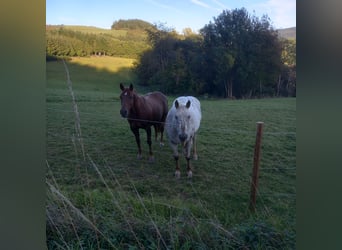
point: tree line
(235, 56)
(131, 24)
(61, 41)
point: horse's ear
(188, 104)
(176, 104)
(131, 87)
(122, 87)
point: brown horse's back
(157, 102)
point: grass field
(100, 196)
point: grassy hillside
(64, 40)
(91, 75)
(288, 33)
(95, 30)
(100, 196)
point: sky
(177, 14)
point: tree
(237, 55)
(171, 62)
(267, 56)
(187, 32)
(288, 55)
(287, 78)
(249, 50)
(153, 63)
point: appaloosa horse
(144, 111)
(182, 122)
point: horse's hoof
(151, 159)
(139, 156)
(161, 144)
(190, 174)
(195, 157)
(177, 174)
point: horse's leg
(187, 150)
(188, 169)
(161, 126)
(137, 139)
(149, 142)
(195, 156)
(176, 157)
(156, 132)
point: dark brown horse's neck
(138, 104)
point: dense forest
(236, 55)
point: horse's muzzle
(123, 113)
(182, 137)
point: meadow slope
(100, 196)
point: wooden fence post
(257, 151)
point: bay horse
(142, 112)
(182, 123)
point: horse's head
(183, 119)
(127, 100)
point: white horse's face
(183, 120)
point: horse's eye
(188, 117)
(176, 117)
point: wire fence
(88, 142)
(167, 153)
(120, 120)
(217, 130)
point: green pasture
(100, 196)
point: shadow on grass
(89, 78)
(108, 198)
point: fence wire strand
(93, 143)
